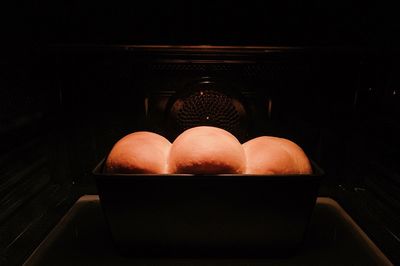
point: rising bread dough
(272, 155)
(206, 150)
(139, 153)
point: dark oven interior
(64, 105)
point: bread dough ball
(206, 150)
(272, 155)
(139, 153)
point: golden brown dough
(139, 153)
(272, 155)
(206, 150)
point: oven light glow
(146, 106)
(269, 107)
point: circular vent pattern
(207, 107)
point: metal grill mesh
(208, 108)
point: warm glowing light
(146, 106)
(269, 107)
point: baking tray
(82, 238)
(203, 215)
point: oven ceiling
(288, 23)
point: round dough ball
(206, 150)
(272, 155)
(139, 153)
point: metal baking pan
(229, 215)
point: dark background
(190, 22)
(62, 109)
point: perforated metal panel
(205, 104)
